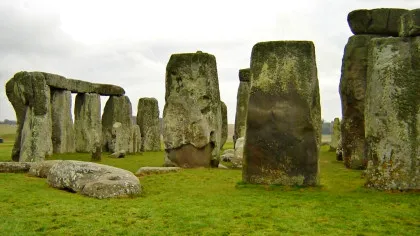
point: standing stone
(224, 124)
(335, 134)
(96, 154)
(410, 23)
(192, 119)
(87, 121)
(136, 139)
(148, 121)
(242, 104)
(352, 92)
(283, 131)
(392, 114)
(117, 110)
(62, 122)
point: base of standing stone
(188, 156)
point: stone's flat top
(15, 167)
(77, 86)
(156, 170)
(41, 169)
(245, 75)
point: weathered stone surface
(15, 167)
(339, 151)
(384, 21)
(242, 104)
(156, 170)
(80, 86)
(335, 134)
(192, 114)
(224, 124)
(114, 137)
(222, 166)
(136, 139)
(239, 148)
(63, 139)
(227, 156)
(392, 114)
(96, 154)
(30, 97)
(93, 180)
(410, 23)
(87, 121)
(42, 168)
(118, 154)
(352, 93)
(148, 121)
(283, 131)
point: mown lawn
(207, 202)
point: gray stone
(224, 124)
(239, 148)
(242, 104)
(352, 93)
(384, 21)
(335, 134)
(42, 168)
(15, 167)
(93, 180)
(63, 139)
(87, 121)
(227, 157)
(283, 133)
(339, 151)
(156, 170)
(148, 121)
(96, 154)
(30, 97)
(222, 166)
(114, 138)
(192, 119)
(410, 23)
(392, 114)
(136, 139)
(118, 154)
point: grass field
(207, 202)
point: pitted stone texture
(383, 21)
(156, 170)
(352, 93)
(87, 121)
(192, 115)
(30, 97)
(148, 121)
(42, 168)
(15, 167)
(410, 23)
(392, 114)
(93, 180)
(63, 138)
(284, 115)
(335, 134)
(114, 139)
(136, 139)
(242, 104)
(224, 124)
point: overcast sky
(129, 42)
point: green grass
(207, 202)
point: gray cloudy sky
(129, 42)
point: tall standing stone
(352, 93)
(63, 138)
(284, 115)
(30, 97)
(192, 114)
(242, 104)
(117, 110)
(335, 134)
(136, 139)
(87, 121)
(148, 121)
(392, 114)
(224, 124)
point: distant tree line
(8, 122)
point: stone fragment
(87, 121)
(335, 134)
(93, 180)
(283, 133)
(96, 153)
(392, 114)
(224, 124)
(114, 138)
(384, 21)
(156, 170)
(222, 166)
(410, 23)
(148, 121)
(192, 119)
(15, 167)
(42, 168)
(119, 154)
(242, 104)
(339, 151)
(63, 139)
